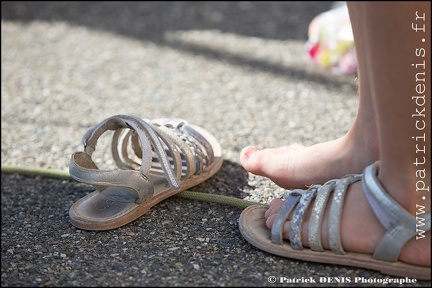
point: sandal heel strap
(400, 225)
(83, 169)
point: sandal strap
(291, 200)
(122, 160)
(400, 225)
(172, 140)
(296, 205)
(83, 169)
(335, 215)
(116, 122)
(297, 219)
(196, 152)
(187, 133)
(169, 145)
(317, 215)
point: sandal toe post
(400, 226)
(156, 159)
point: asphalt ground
(236, 68)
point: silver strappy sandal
(172, 157)
(401, 227)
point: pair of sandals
(161, 157)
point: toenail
(249, 151)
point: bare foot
(296, 167)
(360, 228)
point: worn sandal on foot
(173, 156)
(401, 227)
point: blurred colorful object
(331, 42)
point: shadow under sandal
(401, 227)
(156, 159)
